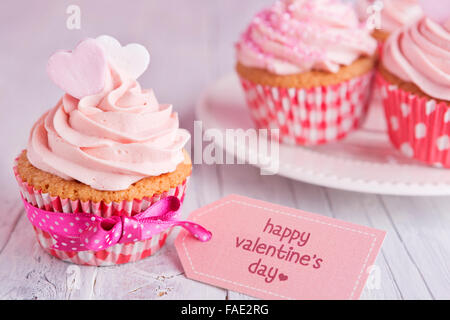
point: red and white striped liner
(310, 116)
(418, 127)
(380, 49)
(117, 254)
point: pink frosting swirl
(108, 140)
(420, 54)
(295, 36)
(394, 14)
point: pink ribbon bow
(84, 231)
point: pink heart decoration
(282, 277)
(80, 72)
(436, 10)
(132, 58)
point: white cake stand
(364, 162)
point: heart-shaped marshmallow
(80, 72)
(436, 10)
(132, 58)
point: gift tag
(274, 252)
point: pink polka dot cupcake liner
(116, 254)
(310, 116)
(417, 126)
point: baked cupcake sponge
(74, 190)
(308, 79)
(404, 85)
(380, 35)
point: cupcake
(393, 14)
(414, 79)
(306, 68)
(105, 153)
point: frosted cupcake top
(420, 54)
(295, 36)
(106, 131)
(394, 13)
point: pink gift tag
(274, 252)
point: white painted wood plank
(399, 279)
(311, 198)
(10, 212)
(422, 225)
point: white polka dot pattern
(418, 127)
(105, 232)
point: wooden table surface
(191, 44)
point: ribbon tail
(195, 229)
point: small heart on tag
(80, 72)
(282, 277)
(132, 58)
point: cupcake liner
(309, 116)
(376, 99)
(418, 127)
(380, 48)
(116, 254)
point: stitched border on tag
(290, 215)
